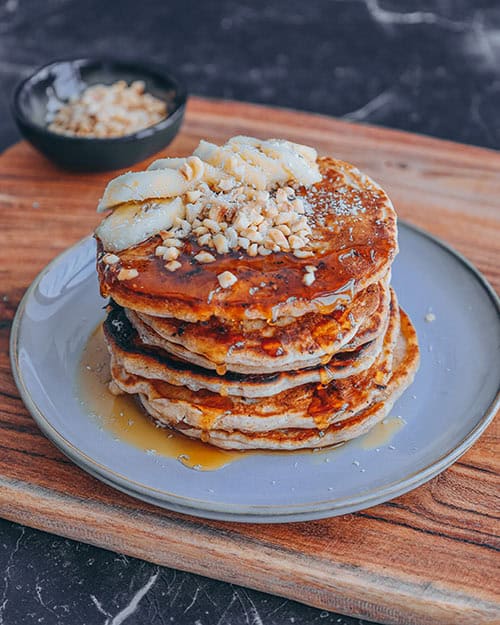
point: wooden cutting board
(425, 558)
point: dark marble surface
(429, 66)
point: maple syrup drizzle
(124, 418)
(382, 433)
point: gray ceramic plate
(453, 399)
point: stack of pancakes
(274, 361)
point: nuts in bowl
(99, 115)
(103, 111)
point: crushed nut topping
(239, 197)
(309, 276)
(110, 259)
(259, 222)
(109, 111)
(127, 274)
(173, 265)
(227, 279)
(205, 257)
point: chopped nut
(211, 225)
(243, 242)
(205, 239)
(220, 243)
(216, 213)
(303, 233)
(252, 249)
(200, 230)
(303, 253)
(110, 259)
(285, 230)
(298, 224)
(279, 238)
(109, 111)
(127, 274)
(193, 196)
(183, 224)
(204, 257)
(296, 242)
(232, 237)
(226, 279)
(173, 265)
(308, 278)
(170, 242)
(192, 213)
(253, 235)
(281, 196)
(298, 206)
(285, 218)
(171, 253)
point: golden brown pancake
(305, 406)
(354, 228)
(287, 351)
(308, 341)
(137, 358)
(405, 366)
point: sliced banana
(148, 201)
(167, 163)
(296, 165)
(273, 167)
(142, 186)
(223, 158)
(131, 224)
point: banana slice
(231, 163)
(131, 224)
(305, 151)
(281, 160)
(167, 163)
(273, 167)
(298, 168)
(142, 186)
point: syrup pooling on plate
(382, 433)
(123, 416)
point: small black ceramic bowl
(50, 86)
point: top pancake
(355, 235)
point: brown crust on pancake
(303, 406)
(406, 365)
(134, 356)
(310, 340)
(353, 220)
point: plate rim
(264, 513)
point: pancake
(354, 230)
(133, 356)
(289, 439)
(250, 299)
(309, 341)
(305, 406)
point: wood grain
(427, 557)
